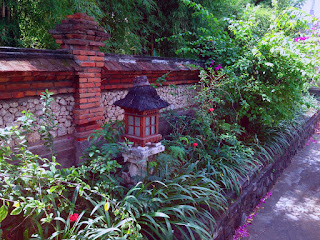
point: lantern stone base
(137, 157)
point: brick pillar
(80, 34)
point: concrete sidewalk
(293, 210)
(312, 7)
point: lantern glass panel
(130, 130)
(153, 120)
(147, 131)
(147, 121)
(137, 122)
(130, 120)
(153, 130)
(137, 131)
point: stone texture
(10, 111)
(177, 97)
(137, 157)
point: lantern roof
(142, 97)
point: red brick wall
(124, 79)
(27, 84)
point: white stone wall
(111, 112)
(178, 98)
(10, 111)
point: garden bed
(260, 182)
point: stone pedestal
(138, 158)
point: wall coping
(118, 62)
(27, 59)
(110, 56)
(27, 53)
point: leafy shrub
(89, 201)
(264, 80)
(44, 199)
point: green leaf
(3, 212)
(157, 214)
(16, 211)
(53, 188)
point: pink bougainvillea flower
(211, 109)
(217, 68)
(300, 38)
(212, 64)
(194, 144)
(242, 231)
(73, 217)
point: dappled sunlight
(296, 209)
(313, 159)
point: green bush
(260, 76)
(52, 203)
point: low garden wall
(85, 82)
(261, 182)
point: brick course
(19, 85)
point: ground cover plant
(248, 106)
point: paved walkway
(312, 7)
(293, 210)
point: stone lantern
(141, 117)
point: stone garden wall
(177, 96)
(10, 111)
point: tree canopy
(134, 25)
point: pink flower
(74, 217)
(194, 144)
(212, 64)
(211, 109)
(217, 68)
(300, 38)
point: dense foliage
(205, 158)
(90, 201)
(134, 25)
(257, 71)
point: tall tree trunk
(3, 9)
